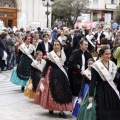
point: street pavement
(15, 106)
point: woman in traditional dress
(84, 87)
(53, 92)
(103, 91)
(36, 68)
(21, 75)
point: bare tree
(69, 9)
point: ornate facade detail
(7, 3)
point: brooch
(89, 75)
(102, 68)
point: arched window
(7, 3)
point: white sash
(89, 38)
(87, 73)
(37, 64)
(26, 50)
(107, 75)
(54, 58)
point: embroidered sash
(54, 58)
(37, 64)
(26, 50)
(87, 73)
(107, 75)
(89, 40)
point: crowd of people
(66, 69)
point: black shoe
(51, 112)
(22, 88)
(9, 68)
(62, 115)
(5, 69)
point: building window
(95, 18)
(113, 2)
(6, 14)
(7, 3)
(95, 1)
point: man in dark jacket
(11, 46)
(99, 35)
(77, 64)
(2, 48)
(72, 41)
(45, 46)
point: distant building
(24, 13)
(101, 9)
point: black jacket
(76, 59)
(101, 36)
(41, 47)
(75, 41)
(2, 48)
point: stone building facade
(24, 13)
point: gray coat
(11, 44)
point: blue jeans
(11, 59)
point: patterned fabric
(29, 93)
(87, 114)
(45, 99)
(24, 67)
(77, 105)
(107, 101)
(60, 87)
(16, 80)
(35, 76)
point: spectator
(11, 46)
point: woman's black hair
(102, 50)
(90, 59)
(57, 41)
(26, 36)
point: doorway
(8, 16)
(10, 23)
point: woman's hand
(42, 79)
(45, 57)
(90, 99)
(80, 100)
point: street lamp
(47, 3)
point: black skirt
(76, 84)
(60, 86)
(35, 78)
(24, 67)
(108, 103)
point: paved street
(15, 106)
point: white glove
(42, 87)
(80, 101)
(89, 106)
(42, 79)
